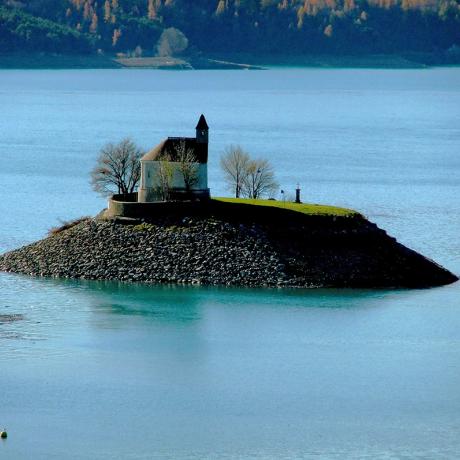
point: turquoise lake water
(113, 371)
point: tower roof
(202, 123)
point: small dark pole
(297, 194)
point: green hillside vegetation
(20, 31)
(270, 27)
(304, 208)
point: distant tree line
(23, 32)
(262, 26)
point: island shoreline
(266, 248)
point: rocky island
(171, 231)
(233, 243)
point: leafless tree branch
(260, 180)
(165, 174)
(117, 169)
(187, 166)
(234, 163)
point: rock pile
(205, 250)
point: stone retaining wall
(127, 206)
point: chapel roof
(170, 150)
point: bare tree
(117, 168)
(234, 163)
(260, 180)
(165, 173)
(187, 166)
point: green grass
(142, 227)
(304, 208)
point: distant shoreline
(222, 62)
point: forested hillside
(288, 27)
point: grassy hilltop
(303, 208)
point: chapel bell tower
(202, 136)
(202, 131)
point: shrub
(66, 224)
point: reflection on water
(136, 371)
(116, 371)
(48, 306)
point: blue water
(106, 370)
